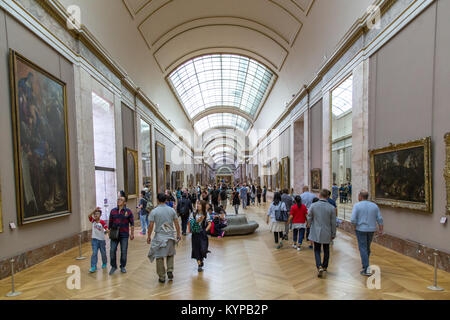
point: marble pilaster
(326, 141)
(360, 125)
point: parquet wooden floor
(247, 267)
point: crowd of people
(203, 211)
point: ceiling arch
(218, 144)
(221, 150)
(212, 110)
(219, 140)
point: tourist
(184, 209)
(365, 217)
(164, 221)
(307, 200)
(253, 194)
(322, 220)
(249, 200)
(236, 201)
(288, 201)
(258, 194)
(341, 193)
(298, 218)
(215, 197)
(243, 195)
(223, 197)
(120, 218)
(265, 194)
(335, 192)
(99, 228)
(277, 227)
(349, 192)
(200, 225)
(143, 213)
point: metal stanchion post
(80, 257)
(435, 287)
(13, 293)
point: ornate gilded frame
(285, 174)
(428, 205)
(159, 145)
(315, 172)
(447, 170)
(13, 58)
(134, 154)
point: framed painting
(279, 176)
(168, 178)
(131, 173)
(447, 170)
(275, 169)
(160, 167)
(1, 218)
(401, 175)
(41, 142)
(316, 180)
(285, 181)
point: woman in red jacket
(298, 219)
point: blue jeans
(326, 254)
(301, 235)
(98, 245)
(244, 202)
(144, 222)
(364, 242)
(123, 252)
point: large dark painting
(316, 180)
(160, 167)
(41, 148)
(401, 175)
(131, 173)
(285, 181)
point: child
(99, 228)
(298, 219)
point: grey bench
(239, 225)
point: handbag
(114, 233)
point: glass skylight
(222, 150)
(221, 80)
(217, 120)
(342, 97)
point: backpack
(184, 208)
(145, 206)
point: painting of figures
(160, 167)
(41, 149)
(316, 180)
(401, 175)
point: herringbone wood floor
(238, 268)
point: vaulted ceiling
(222, 61)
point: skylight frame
(221, 80)
(220, 120)
(342, 98)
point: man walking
(184, 209)
(365, 217)
(164, 221)
(307, 200)
(322, 219)
(288, 201)
(120, 218)
(224, 197)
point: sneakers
(93, 269)
(170, 276)
(162, 280)
(123, 270)
(294, 246)
(111, 272)
(200, 269)
(104, 266)
(320, 273)
(310, 247)
(365, 273)
(280, 245)
(299, 248)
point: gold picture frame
(131, 173)
(31, 89)
(316, 180)
(285, 179)
(160, 154)
(392, 170)
(447, 170)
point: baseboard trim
(38, 255)
(407, 248)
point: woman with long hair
(200, 225)
(277, 227)
(298, 217)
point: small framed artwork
(401, 175)
(131, 173)
(316, 180)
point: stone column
(326, 141)
(306, 150)
(298, 161)
(360, 124)
(119, 143)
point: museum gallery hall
(225, 150)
